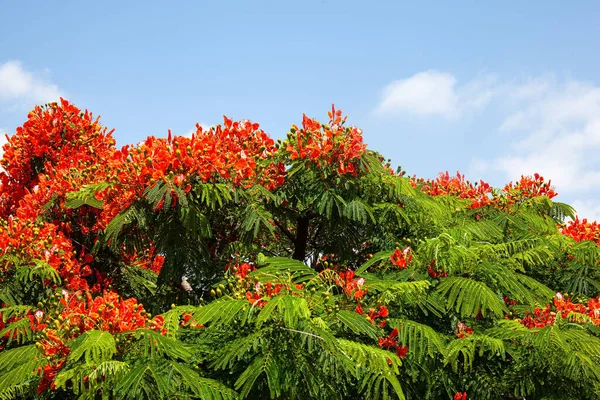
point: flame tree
(229, 265)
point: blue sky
(492, 91)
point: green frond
(18, 370)
(358, 324)
(162, 192)
(536, 256)
(358, 211)
(87, 195)
(537, 288)
(18, 331)
(562, 211)
(382, 255)
(203, 388)
(11, 292)
(411, 292)
(153, 345)
(142, 282)
(421, 339)
(220, 312)
(266, 364)
(172, 319)
(470, 346)
(145, 381)
(41, 271)
(580, 367)
(516, 286)
(512, 330)
(391, 212)
(468, 297)
(255, 217)
(195, 222)
(483, 230)
(86, 379)
(326, 202)
(449, 254)
(94, 346)
(290, 308)
(239, 349)
(213, 195)
(14, 311)
(382, 368)
(134, 213)
(281, 270)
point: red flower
(401, 258)
(462, 330)
(391, 341)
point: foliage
(229, 265)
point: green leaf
(96, 346)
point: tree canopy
(230, 265)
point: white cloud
(556, 132)
(435, 93)
(589, 209)
(546, 124)
(20, 87)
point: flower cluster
(331, 145)
(565, 308)
(582, 230)
(460, 396)
(462, 330)
(401, 259)
(29, 240)
(353, 287)
(436, 273)
(391, 341)
(530, 186)
(238, 152)
(447, 185)
(56, 134)
(257, 298)
(374, 314)
(481, 194)
(240, 270)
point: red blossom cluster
(108, 312)
(482, 194)
(240, 270)
(238, 152)
(30, 240)
(460, 396)
(509, 302)
(353, 287)
(188, 321)
(447, 185)
(257, 298)
(530, 186)
(391, 341)
(331, 145)
(80, 312)
(563, 307)
(435, 273)
(56, 134)
(462, 330)
(401, 259)
(374, 314)
(582, 230)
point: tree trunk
(301, 239)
